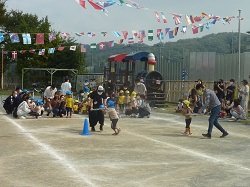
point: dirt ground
(148, 152)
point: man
(97, 99)
(244, 95)
(219, 90)
(49, 94)
(66, 86)
(110, 87)
(230, 91)
(140, 88)
(214, 104)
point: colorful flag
(208, 25)
(164, 18)
(175, 31)
(52, 37)
(158, 33)
(72, 48)
(40, 38)
(91, 34)
(131, 40)
(5, 52)
(93, 46)
(184, 29)
(83, 49)
(116, 34)
(1, 37)
(51, 50)
(201, 28)
(102, 46)
(79, 33)
(120, 41)
(195, 29)
(192, 19)
(111, 43)
(214, 21)
(32, 51)
(26, 38)
(176, 20)
(82, 3)
(188, 21)
(41, 52)
(103, 33)
(64, 35)
(125, 34)
(22, 51)
(197, 18)
(166, 31)
(135, 33)
(60, 48)
(157, 16)
(14, 38)
(204, 15)
(170, 34)
(141, 34)
(161, 36)
(150, 35)
(95, 5)
(14, 55)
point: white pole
(239, 38)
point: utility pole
(239, 40)
(2, 68)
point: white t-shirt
(66, 86)
(49, 93)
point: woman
(237, 111)
(23, 109)
(195, 100)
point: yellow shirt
(69, 102)
(121, 99)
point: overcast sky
(69, 16)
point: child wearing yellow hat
(186, 111)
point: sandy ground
(148, 152)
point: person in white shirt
(66, 86)
(49, 94)
(244, 95)
(24, 109)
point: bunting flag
(64, 35)
(131, 40)
(60, 48)
(72, 48)
(52, 37)
(26, 38)
(195, 29)
(51, 50)
(83, 49)
(103, 33)
(176, 18)
(14, 38)
(41, 52)
(164, 18)
(198, 18)
(208, 25)
(82, 3)
(116, 34)
(158, 33)
(175, 31)
(141, 34)
(91, 34)
(201, 28)
(166, 31)
(93, 46)
(135, 33)
(79, 33)
(95, 5)
(32, 51)
(214, 21)
(22, 51)
(111, 43)
(188, 21)
(102, 46)
(125, 34)
(170, 34)
(1, 37)
(5, 52)
(192, 19)
(161, 36)
(40, 38)
(14, 55)
(135, 5)
(120, 41)
(204, 15)
(184, 29)
(150, 35)
(157, 16)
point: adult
(97, 98)
(24, 109)
(49, 94)
(219, 89)
(55, 104)
(237, 111)
(244, 95)
(66, 86)
(195, 100)
(230, 91)
(18, 100)
(140, 88)
(110, 87)
(8, 103)
(214, 104)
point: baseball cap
(100, 89)
(245, 81)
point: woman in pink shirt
(237, 111)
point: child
(179, 106)
(69, 103)
(144, 109)
(186, 111)
(134, 104)
(76, 107)
(62, 110)
(127, 99)
(121, 101)
(112, 112)
(223, 113)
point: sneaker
(101, 127)
(115, 133)
(224, 134)
(93, 129)
(207, 136)
(22, 117)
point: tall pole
(2, 71)
(239, 39)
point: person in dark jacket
(8, 104)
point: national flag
(125, 34)
(201, 28)
(136, 5)
(103, 33)
(192, 19)
(82, 3)
(175, 31)
(116, 34)
(195, 29)
(141, 34)
(164, 18)
(188, 21)
(93, 46)
(177, 20)
(72, 48)
(5, 52)
(60, 48)
(120, 41)
(14, 37)
(135, 33)
(214, 21)
(96, 6)
(161, 36)
(64, 35)
(170, 34)
(91, 34)
(32, 51)
(111, 43)
(26, 38)
(79, 33)
(14, 54)
(166, 31)
(197, 18)
(22, 51)
(1, 37)
(150, 35)
(157, 16)
(83, 49)
(52, 37)
(121, 1)
(51, 50)
(208, 25)
(131, 40)
(184, 29)
(40, 38)
(102, 46)
(204, 15)
(158, 33)
(41, 52)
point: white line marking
(193, 153)
(61, 158)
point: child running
(69, 104)
(186, 111)
(112, 108)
